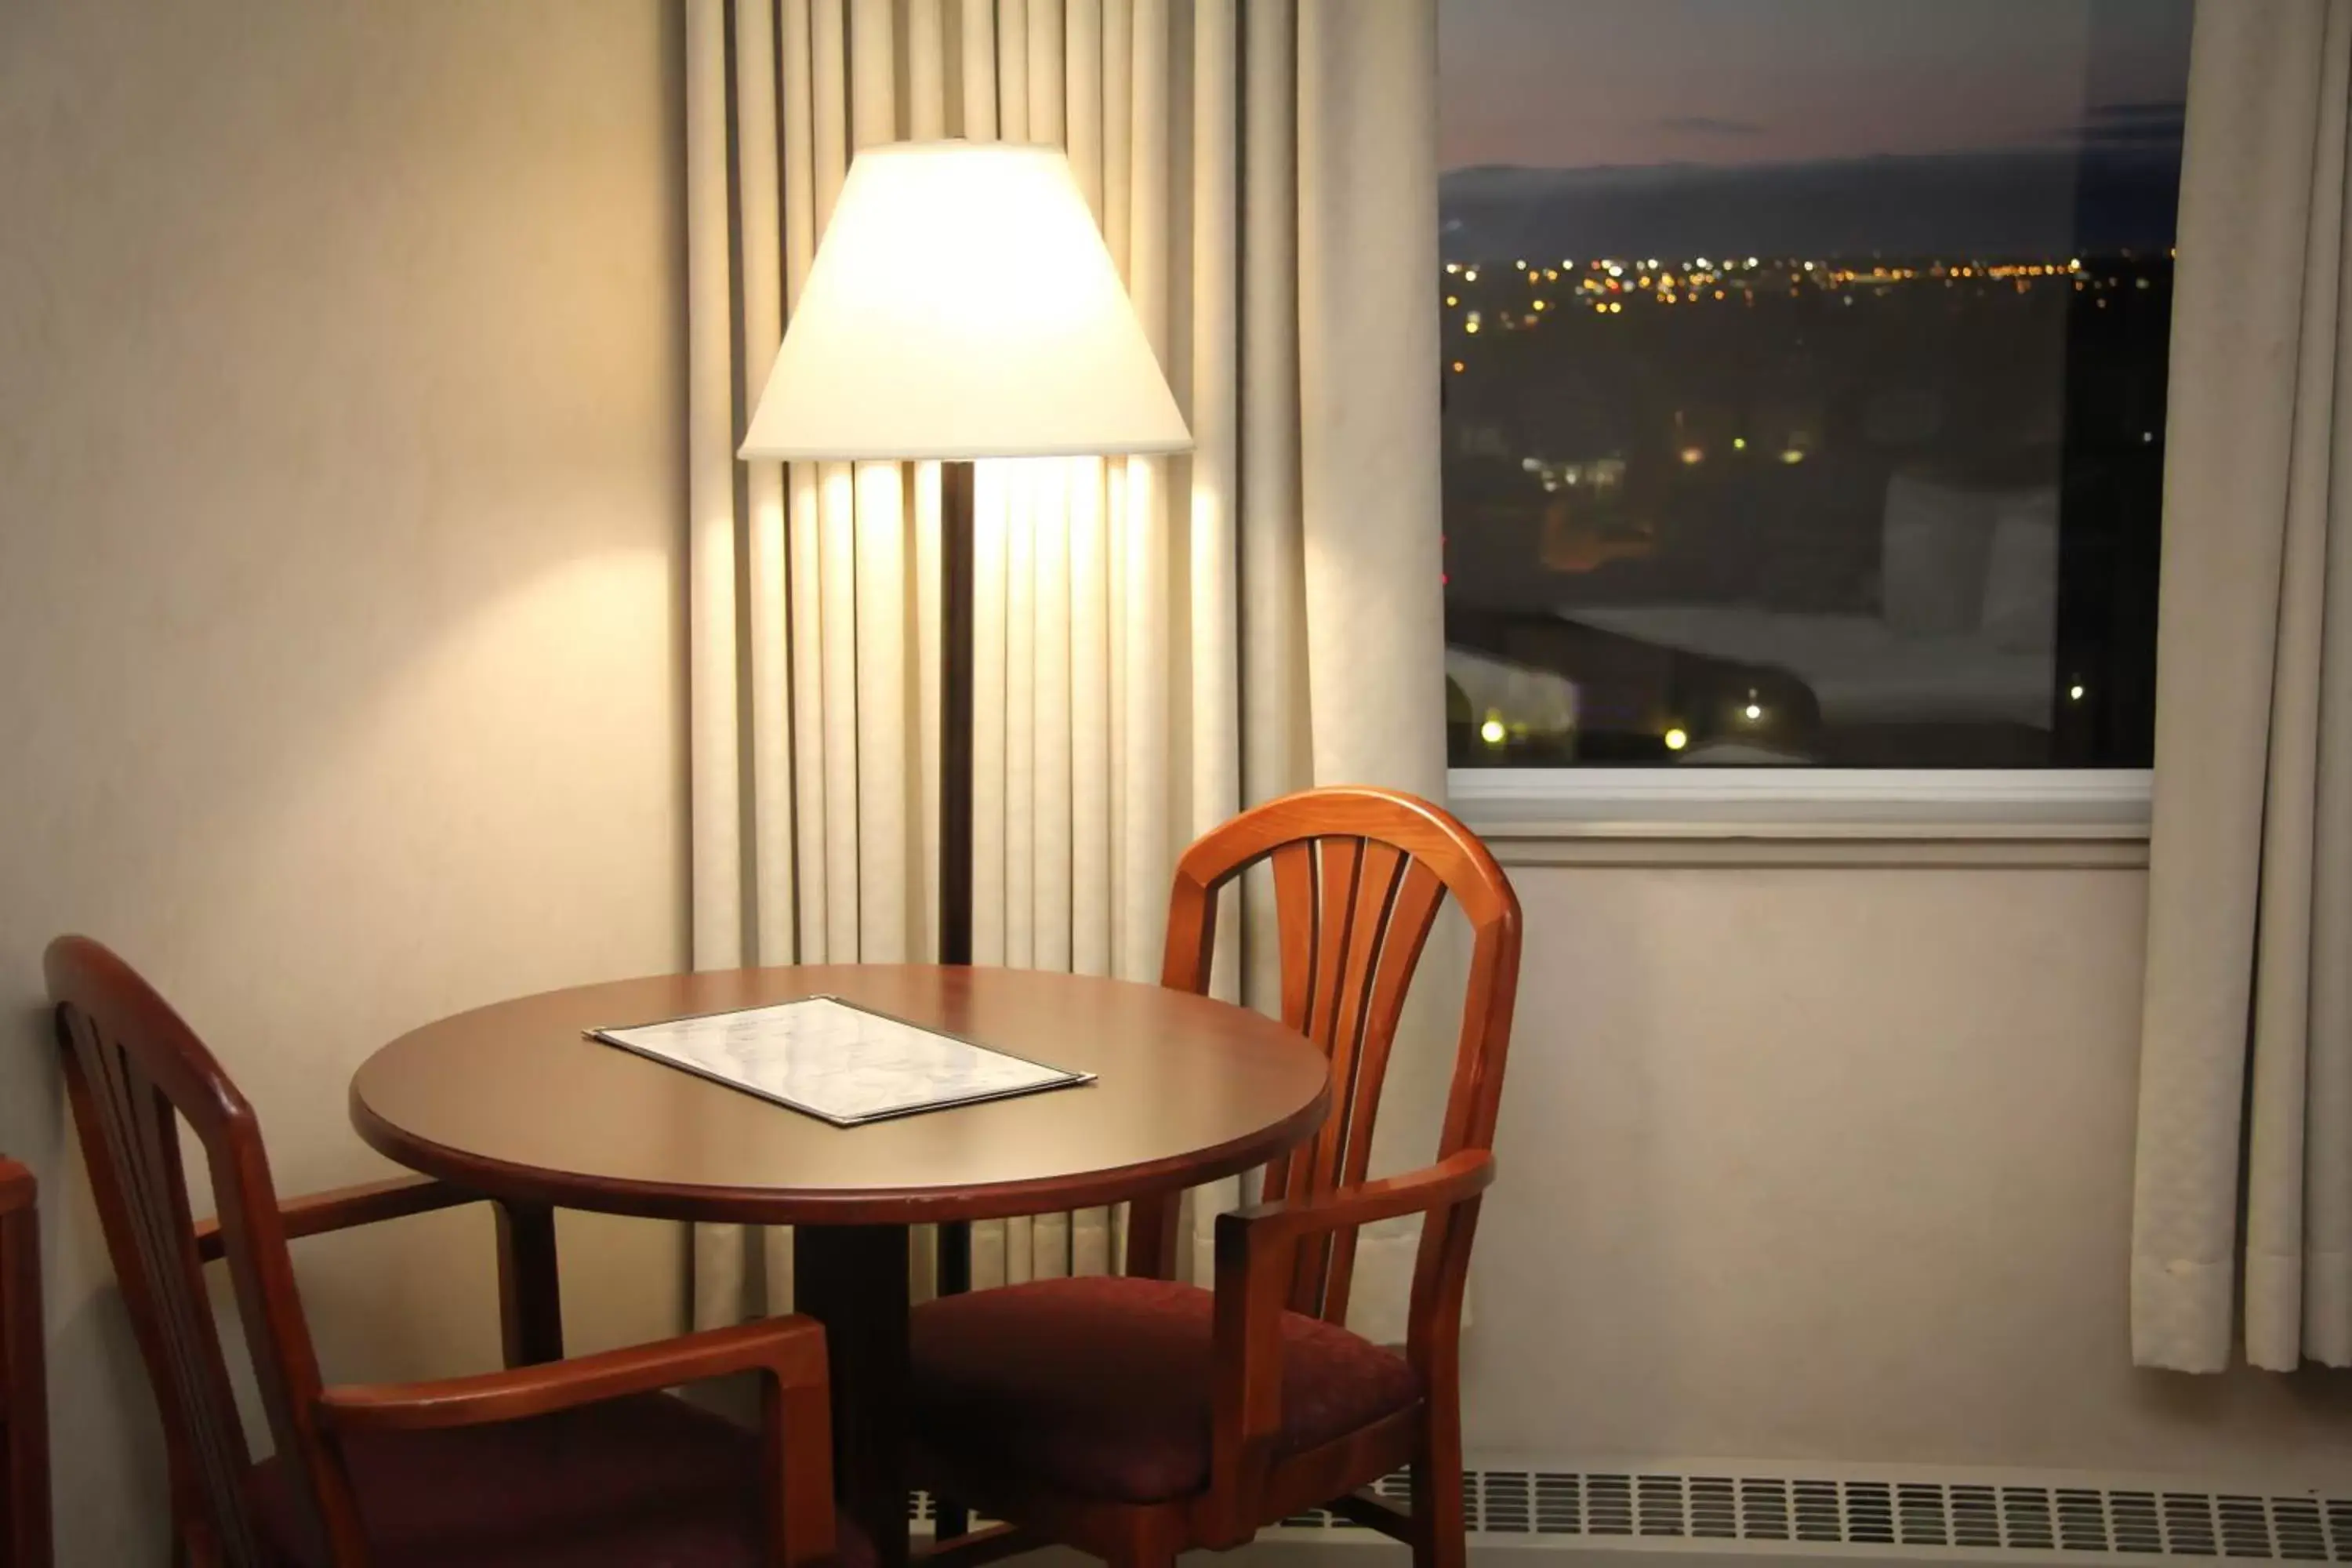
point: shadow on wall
(340, 637)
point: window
(1804, 378)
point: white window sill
(1812, 815)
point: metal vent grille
(1863, 1514)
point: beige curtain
(2246, 1079)
(1156, 641)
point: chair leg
(1148, 1545)
(1144, 1558)
(1438, 1539)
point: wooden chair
(1135, 1417)
(23, 1402)
(568, 1464)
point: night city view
(1805, 404)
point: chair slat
(1297, 913)
(1341, 862)
(1348, 991)
(1412, 914)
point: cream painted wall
(1835, 1165)
(340, 482)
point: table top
(513, 1101)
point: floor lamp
(962, 305)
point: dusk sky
(1583, 83)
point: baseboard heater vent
(1876, 1513)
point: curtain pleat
(802, 512)
(976, 87)
(1273, 558)
(1215, 421)
(714, 778)
(1156, 642)
(760, 244)
(714, 765)
(1117, 137)
(1013, 71)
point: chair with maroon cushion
(1135, 1417)
(23, 1401)
(562, 1464)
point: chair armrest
(1256, 1249)
(1278, 1223)
(796, 1416)
(790, 1352)
(340, 1208)
(16, 1186)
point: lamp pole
(953, 1248)
(956, 481)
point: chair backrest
(133, 1072)
(1358, 877)
(23, 1401)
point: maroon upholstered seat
(648, 1479)
(1100, 1387)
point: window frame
(1988, 804)
(1594, 800)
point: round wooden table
(513, 1100)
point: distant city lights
(1703, 280)
(1555, 451)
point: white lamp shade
(963, 305)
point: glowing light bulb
(1676, 738)
(2074, 694)
(1492, 730)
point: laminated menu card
(837, 1061)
